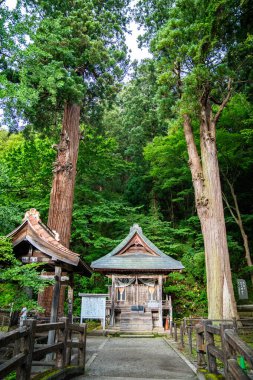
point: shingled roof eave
(64, 255)
(135, 270)
(60, 249)
(20, 227)
(134, 231)
(127, 239)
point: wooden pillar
(137, 291)
(55, 302)
(70, 297)
(160, 298)
(171, 312)
(112, 301)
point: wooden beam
(112, 301)
(160, 297)
(55, 305)
(70, 297)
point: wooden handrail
(230, 348)
(27, 352)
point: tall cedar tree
(71, 65)
(192, 47)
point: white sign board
(242, 289)
(93, 307)
(153, 304)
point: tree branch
(229, 208)
(224, 103)
(195, 165)
(215, 101)
(239, 222)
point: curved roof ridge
(161, 261)
(59, 245)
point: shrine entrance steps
(132, 321)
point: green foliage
(6, 256)
(15, 278)
(188, 296)
(132, 165)
(26, 177)
(76, 54)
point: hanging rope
(123, 282)
(148, 281)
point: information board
(93, 307)
(242, 289)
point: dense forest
(133, 161)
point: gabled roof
(45, 240)
(136, 253)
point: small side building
(138, 270)
(34, 242)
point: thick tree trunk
(208, 198)
(62, 193)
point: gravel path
(133, 358)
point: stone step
(135, 335)
(147, 313)
(135, 324)
(131, 322)
(136, 316)
(136, 328)
(148, 323)
(136, 320)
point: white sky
(131, 39)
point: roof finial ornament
(56, 235)
(136, 227)
(32, 212)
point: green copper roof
(136, 260)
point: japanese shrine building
(138, 270)
(33, 242)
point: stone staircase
(134, 321)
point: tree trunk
(208, 198)
(62, 193)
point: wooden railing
(216, 341)
(23, 352)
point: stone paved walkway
(133, 358)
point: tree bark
(62, 193)
(208, 199)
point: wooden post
(56, 295)
(235, 325)
(54, 306)
(70, 297)
(160, 310)
(82, 350)
(228, 352)
(190, 338)
(69, 350)
(137, 292)
(182, 334)
(175, 331)
(211, 359)
(63, 335)
(112, 301)
(201, 362)
(24, 372)
(171, 313)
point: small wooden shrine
(137, 269)
(34, 242)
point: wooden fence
(22, 350)
(217, 341)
